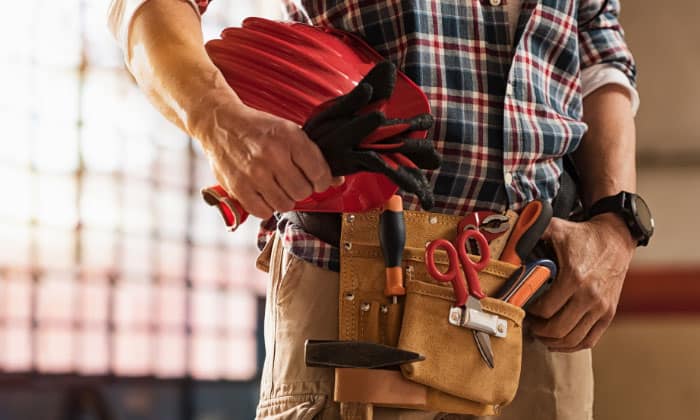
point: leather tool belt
(326, 226)
(453, 378)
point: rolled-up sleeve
(605, 57)
(601, 38)
(121, 13)
(599, 75)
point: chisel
(356, 354)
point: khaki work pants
(302, 303)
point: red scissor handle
(453, 274)
(471, 268)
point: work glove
(353, 138)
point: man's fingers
(295, 184)
(313, 165)
(275, 197)
(244, 193)
(253, 203)
(561, 291)
(563, 322)
(592, 338)
(574, 338)
(595, 334)
(553, 300)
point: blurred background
(121, 296)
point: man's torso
(506, 100)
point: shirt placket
(497, 18)
(513, 148)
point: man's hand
(265, 162)
(593, 259)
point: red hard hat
(288, 69)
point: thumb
(552, 229)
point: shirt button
(509, 89)
(509, 178)
(495, 2)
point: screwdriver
(528, 282)
(392, 238)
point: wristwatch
(633, 210)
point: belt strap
(324, 226)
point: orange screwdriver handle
(535, 281)
(392, 238)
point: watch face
(643, 214)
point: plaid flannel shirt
(505, 110)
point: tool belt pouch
(453, 363)
(453, 378)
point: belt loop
(267, 254)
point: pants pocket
(264, 258)
(302, 303)
(292, 407)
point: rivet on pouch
(348, 245)
(409, 272)
(455, 316)
(384, 309)
(349, 296)
(364, 307)
(350, 218)
(433, 220)
(500, 328)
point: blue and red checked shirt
(506, 110)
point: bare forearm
(250, 151)
(606, 157)
(594, 255)
(167, 57)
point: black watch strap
(633, 211)
(611, 204)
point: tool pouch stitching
(453, 364)
(362, 278)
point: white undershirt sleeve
(599, 75)
(120, 15)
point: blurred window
(110, 263)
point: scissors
(457, 258)
(467, 293)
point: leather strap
(324, 226)
(378, 386)
(567, 203)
